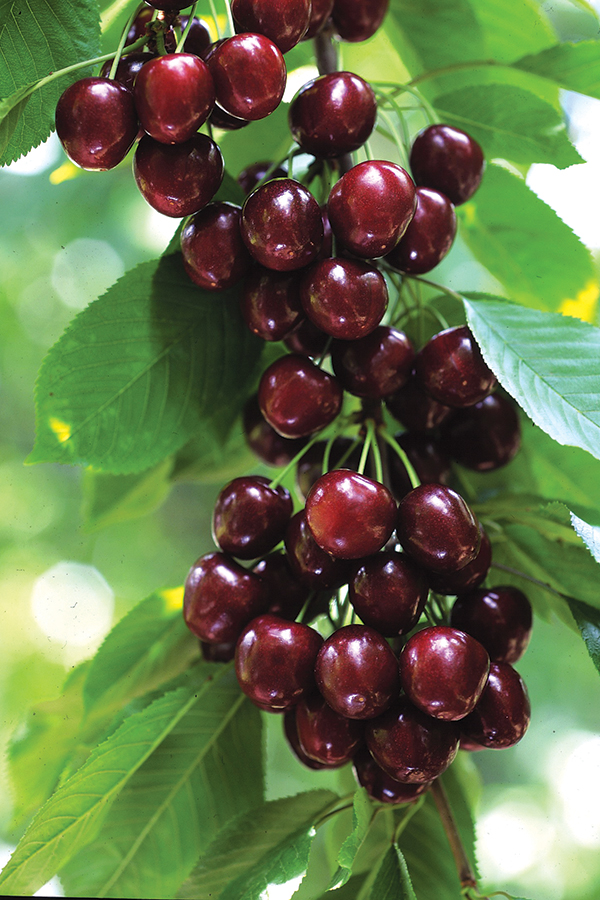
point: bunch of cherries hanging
(394, 680)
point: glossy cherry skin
(286, 595)
(371, 206)
(127, 68)
(325, 735)
(319, 15)
(221, 119)
(448, 160)
(96, 123)
(290, 729)
(429, 236)
(270, 447)
(344, 452)
(310, 564)
(218, 652)
(174, 95)
(358, 20)
(345, 298)
(350, 515)
(214, 255)
(220, 598)
(470, 576)
(297, 398)
(437, 528)
(411, 746)
(274, 661)
(379, 785)
(249, 75)
(415, 408)
(375, 365)
(426, 453)
(333, 114)
(451, 368)
(357, 673)
(485, 436)
(178, 179)
(285, 22)
(171, 6)
(306, 339)
(198, 39)
(443, 672)
(270, 303)
(388, 591)
(282, 225)
(138, 26)
(499, 617)
(502, 715)
(249, 177)
(250, 517)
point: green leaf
(549, 363)
(512, 29)
(392, 881)
(208, 459)
(362, 814)
(575, 67)
(510, 122)
(524, 244)
(108, 499)
(436, 31)
(140, 370)
(589, 534)
(37, 38)
(588, 622)
(207, 770)
(268, 845)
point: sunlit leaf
(436, 31)
(588, 622)
(575, 67)
(362, 813)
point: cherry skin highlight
(270, 447)
(449, 160)
(376, 365)
(345, 298)
(310, 564)
(250, 517)
(297, 398)
(429, 236)
(285, 22)
(451, 368)
(249, 75)
(290, 729)
(325, 735)
(174, 95)
(502, 715)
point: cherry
(320, 13)
(379, 785)
(290, 729)
(178, 179)
(138, 26)
(284, 22)
(274, 661)
(214, 255)
(311, 565)
(388, 591)
(96, 123)
(250, 516)
(357, 672)
(297, 398)
(249, 75)
(358, 20)
(286, 595)
(221, 119)
(411, 746)
(282, 225)
(172, 6)
(270, 447)
(270, 303)
(249, 177)
(375, 365)
(437, 528)
(484, 436)
(451, 368)
(345, 298)
(427, 455)
(220, 598)
(502, 715)
(325, 735)
(469, 576)
(448, 160)
(429, 235)
(499, 617)
(443, 672)
(370, 207)
(198, 38)
(415, 409)
(306, 339)
(218, 652)
(344, 451)
(174, 95)
(127, 68)
(349, 515)
(333, 114)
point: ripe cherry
(284, 22)
(286, 595)
(358, 20)
(249, 177)
(320, 13)
(470, 576)
(310, 564)
(379, 785)
(503, 712)
(270, 303)
(344, 452)
(306, 339)
(249, 75)
(297, 398)
(499, 617)
(484, 436)
(127, 68)
(415, 408)
(451, 368)
(198, 38)
(375, 365)
(345, 298)
(388, 591)
(290, 729)
(214, 255)
(174, 95)
(448, 160)
(250, 516)
(270, 447)
(325, 735)
(429, 235)
(426, 453)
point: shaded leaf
(575, 67)
(588, 622)
(108, 499)
(392, 881)
(435, 31)
(511, 29)
(362, 813)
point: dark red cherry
(443, 672)
(270, 303)
(411, 746)
(415, 408)
(320, 12)
(138, 26)
(96, 123)
(502, 715)
(221, 119)
(274, 661)
(370, 207)
(429, 236)
(470, 576)
(214, 255)
(358, 20)
(270, 447)
(344, 452)
(357, 672)
(437, 528)
(324, 734)
(178, 179)
(218, 652)
(290, 729)
(426, 453)
(499, 617)
(249, 177)
(485, 436)
(286, 595)
(375, 365)
(249, 75)
(171, 6)
(388, 592)
(350, 515)
(306, 339)
(284, 22)
(379, 785)
(311, 565)
(282, 225)
(127, 68)
(345, 298)
(220, 598)
(448, 160)
(451, 368)
(297, 398)
(333, 114)
(198, 38)
(250, 516)
(174, 95)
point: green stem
(213, 12)
(366, 446)
(402, 151)
(275, 482)
(415, 807)
(463, 866)
(186, 31)
(121, 45)
(229, 17)
(414, 478)
(440, 287)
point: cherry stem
(414, 478)
(407, 88)
(366, 446)
(213, 12)
(121, 45)
(416, 806)
(398, 141)
(463, 866)
(229, 17)
(440, 287)
(187, 28)
(275, 482)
